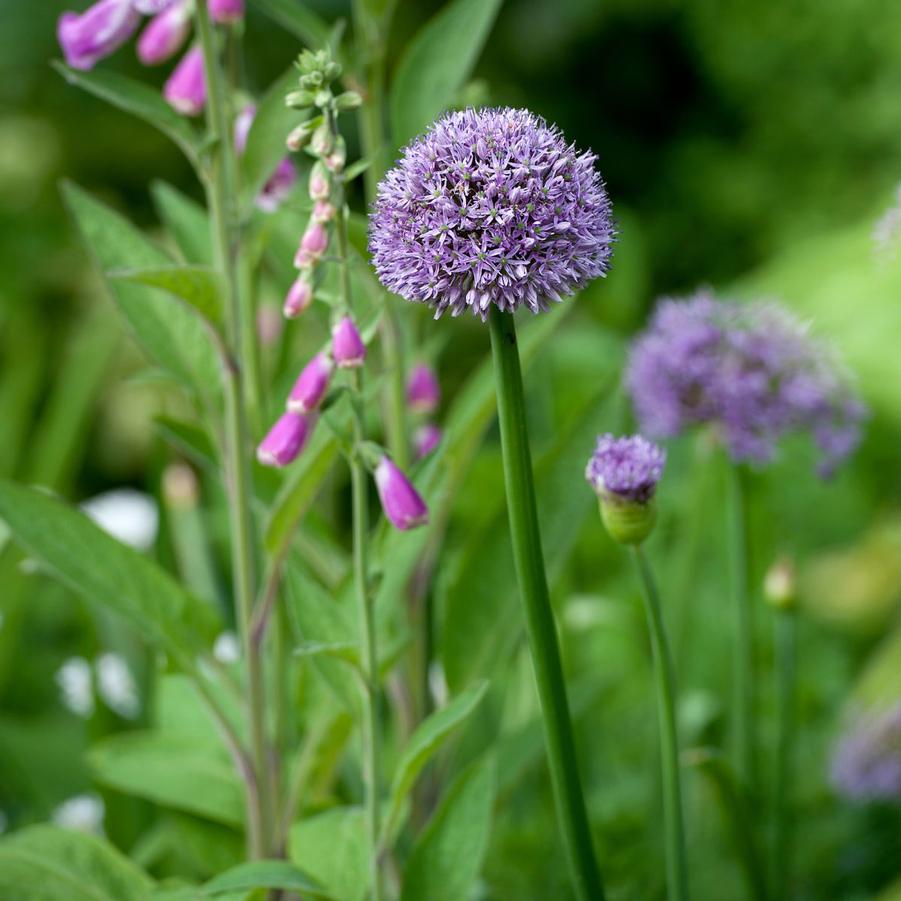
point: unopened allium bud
(322, 143)
(312, 245)
(165, 34)
(97, 32)
(349, 100)
(299, 298)
(286, 439)
(319, 185)
(225, 11)
(185, 90)
(311, 385)
(403, 506)
(779, 585)
(348, 349)
(323, 211)
(426, 438)
(624, 473)
(423, 390)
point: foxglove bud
(779, 585)
(299, 137)
(97, 32)
(299, 100)
(286, 439)
(300, 296)
(312, 245)
(323, 211)
(225, 11)
(278, 187)
(423, 391)
(322, 143)
(311, 385)
(243, 122)
(426, 439)
(403, 506)
(320, 187)
(624, 473)
(348, 349)
(185, 91)
(338, 157)
(349, 100)
(164, 34)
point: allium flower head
(628, 467)
(491, 206)
(751, 370)
(867, 762)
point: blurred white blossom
(75, 686)
(83, 813)
(130, 516)
(116, 685)
(227, 648)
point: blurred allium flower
(116, 685)
(97, 32)
(491, 206)
(76, 686)
(866, 765)
(628, 467)
(751, 370)
(129, 516)
(82, 813)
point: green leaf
(44, 863)
(185, 220)
(436, 64)
(190, 440)
(136, 98)
(334, 849)
(94, 564)
(272, 874)
(425, 741)
(172, 770)
(295, 16)
(198, 286)
(168, 333)
(348, 651)
(446, 861)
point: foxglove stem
(220, 187)
(786, 653)
(664, 674)
(540, 626)
(745, 738)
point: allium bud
(348, 349)
(403, 506)
(286, 439)
(225, 11)
(426, 439)
(423, 390)
(300, 296)
(185, 91)
(164, 34)
(779, 585)
(320, 186)
(312, 245)
(323, 211)
(97, 32)
(624, 473)
(299, 137)
(311, 385)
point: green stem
(220, 196)
(786, 653)
(540, 626)
(745, 738)
(676, 867)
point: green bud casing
(628, 521)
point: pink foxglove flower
(300, 296)
(278, 187)
(348, 349)
(185, 90)
(312, 245)
(97, 32)
(286, 439)
(426, 439)
(403, 506)
(319, 186)
(311, 385)
(226, 11)
(165, 34)
(423, 391)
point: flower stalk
(540, 626)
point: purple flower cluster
(629, 467)
(491, 206)
(751, 370)
(866, 765)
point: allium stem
(786, 653)
(745, 737)
(221, 195)
(676, 865)
(540, 626)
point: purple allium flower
(426, 438)
(490, 206)
(97, 32)
(226, 11)
(749, 369)
(286, 439)
(627, 467)
(311, 385)
(866, 765)
(403, 506)
(348, 349)
(299, 298)
(165, 34)
(423, 390)
(185, 90)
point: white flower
(128, 515)
(116, 685)
(75, 686)
(227, 648)
(83, 813)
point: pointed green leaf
(198, 286)
(95, 565)
(44, 863)
(446, 861)
(425, 741)
(271, 874)
(436, 64)
(136, 98)
(299, 19)
(185, 220)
